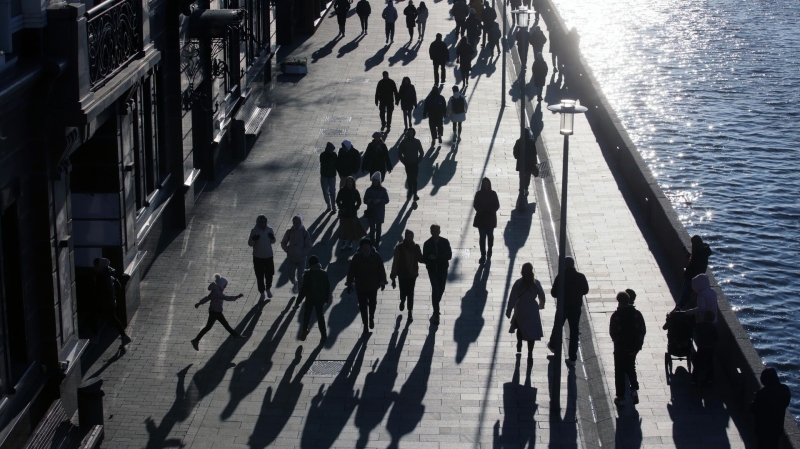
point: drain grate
(338, 118)
(333, 131)
(357, 80)
(544, 170)
(326, 368)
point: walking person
(316, 291)
(515, 5)
(347, 162)
(363, 10)
(460, 13)
(494, 40)
(327, 176)
(376, 157)
(376, 198)
(411, 154)
(531, 167)
(436, 253)
(261, 239)
(555, 44)
(488, 19)
(477, 8)
(474, 26)
(349, 201)
(705, 339)
(386, 95)
(410, 12)
(390, 17)
(576, 288)
(464, 52)
(527, 322)
(539, 71)
(538, 39)
(407, 99)
(698, 264)
(422, 19)
(341, 7)
(769, 409)
(106, 287)
(457, 111)
(486, 205)
(296, 243)
(366, 271)
(434, 110)
(440, 55)
(217, 297)
(405, 266)
(627, 330)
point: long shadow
(629, 429)
(378, 385)
(325, 50)
(277, 408)
(314, 229)
(350, 46)
(203, 383)
(469, 324)
(405, 54)
(691, 405)
(408, 408)
(530, 90)
(330, 410)
(248, 374)
(555, 91)
(563, 430)
(394, 235)
(519, 413)
(426, 166)
(444, 171)
(375, 60)
(484, 66)
(537, 121)
(113, 359)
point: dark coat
(327, 164)
(342, 7)
(488, 18)
(376, 158)
(406, 261)
(769, 409)
(464, 52)
(439, 52)
(530, 154)
(576, 288)
(367, 271)
(627, 329)
(538, 40)
(473, 27)
(698, 263)
(460, 10)
(411, 16)
(316, 287)
(377, 211)
(442, 261)
(435, 106)
(410, 152)
(348, 162)
(539, 73)
(363, 9)
(486, 205)
(348, 201)
(386, 91)
(408, 97)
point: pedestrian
(575, 288)
(527, 321)
(366, 271)
(434, 110)
(376, 157)
(440, 55)
(698, 264)
(405, 266)
(217, 297)
(460, 13)
(411, 154)
(515, 5)
(473, 25)
(363, 9)
(407, 99)
(539, 71)
(385, 96)
(494, 39)
(327, 175)
(538, 39)
(410, 12)
(486, 205)
(436, 253)
(706, 297)
(705, 339)
(477, 6)
(464, 52)
(296, 243)
(349, 200)
(341, 7)
(769, 409)
(347, 162)
(627, 331)
(555, 44)
(316, 291)
(390, 17)
(457, 111)
(523, 38)
(375, 198)
(531, 167)
(488, 19)
(422, 19)
(261, 239)
(106, 288)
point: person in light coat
(526, 321)
(217, 297)
(706, 297)
(375, 198)
(261, 239)
(457, 111)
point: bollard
(90, 403)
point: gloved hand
(394, 284)
(197, 305)
(383, 287)
(240, 295)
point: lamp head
(567, 109)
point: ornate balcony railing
(115, 37)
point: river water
(710, 93)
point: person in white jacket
(261, 239)
(706, 298)
(457, 111)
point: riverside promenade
(457, 384)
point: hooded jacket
(389, 13)
(576, 288)
(327, 162)
(376, 158)
(698, 263)
(439, 52)
(627, 329)
(486, 205)
(217, 298)
(348, 162)
(706, 297)
(530, 154)
(435, 106)
(316, 287)
(377, 211)
(407, 258)
(363, 9)
(460, 10)
(539, 72)
(262, 247)
(366, 271)
(410, 152)
(296, 242)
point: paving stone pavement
(457, 384)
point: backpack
(458, 105)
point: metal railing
(115, 37)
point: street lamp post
(523, 19)
(567, 109)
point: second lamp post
(523, 19)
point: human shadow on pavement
(483, 65)
(377, 58)
(394, 234)
(563, 430)
(325, 50)
(530, 89)
(405, 54)
(278, 405)
(469, 324)
(444, 171)
(555, 91)
(519, 413)
(203, 383)
(408, 408)
(690, 405)
(350, 46)
(426, 166)
(330, 409)
(378, 385)
(314, 229)
(629, 428)
(537, 121)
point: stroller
(679, 327)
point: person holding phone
(262, 237)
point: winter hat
(364, 241)
(220, 281)
(377, 135)
(631, 293)
(329, 147)
(376, 176)
(313, 260)
(299, 217)
(347, 144)
(569, 262)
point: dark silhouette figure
(488, 18)
(411, 18)
(386, 95)
(627, 329)
(341, 7)
(522, 301)
(389, 15)
(407, 99)
(460, 13)
(106, 288)
(440, 55)
(436, 253)
(469, 324)
(316, 291)
(769, 409)
(698, 264)
(539, 71)
(519, 413)
(363, 10)
(411, 154)
(405, 266)
(486, 205)
(368, 274)
(464, 52)
(576, 288)
(434, 110)
(531, 168)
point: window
(150, 163)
